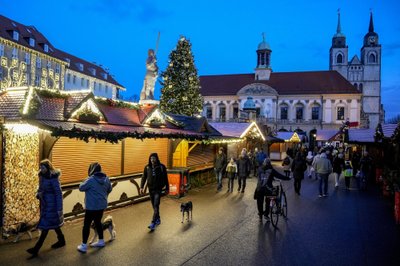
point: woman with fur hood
(96, 187)
(51, 206)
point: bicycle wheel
(284, 205)
(274, 212)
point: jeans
(323, 180)
(242, 185)
(230, 184)
(218, 175)
(155, 202)
(95, 216)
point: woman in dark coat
(298, 167)
(51, 206)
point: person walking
(287, 165)
(309, 161)
(323, 168)
(348, 173)
(219, 166)
(298, 168)
(266, 176)
(155, 174)
(260, 157)
(97, 186)
(365, 170)
(338, 166)
(51, 206)
(243, 165)
(231, 172)
(316, 157)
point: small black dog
(107, 224)
(187, 208)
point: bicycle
(278, 203)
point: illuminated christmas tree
(180, 92)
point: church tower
(263, 68)
(371, 81)
(338, 54)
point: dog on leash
(24, 228)
(187, 208)
(107, 224)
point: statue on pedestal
(150, 78)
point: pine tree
(180, 92)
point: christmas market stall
(281, 143)
(248, 135)
(73, 130)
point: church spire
(371, 23)
(339, 28)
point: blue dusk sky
(224, 34)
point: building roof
(326, 134)
(11, 102)
(238, 130)
(25, 32)
(357, 135)
(87, 66)
(285, 83)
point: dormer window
(68, 60)
(46, 47)
(32, 42)
(104, 75)
(80, 66)
(92, 71)
(15, 35)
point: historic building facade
(27, 58)
(301, 100)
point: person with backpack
(298, 168)
(265, 188)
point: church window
(372, 58)
(284, 112)
(339, 59)
(340, 113)
(315, 113)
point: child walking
(231, 171)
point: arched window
(372, 58)
(284, 108)
(299, 111)
(208, 111)
(222, 112)
(315, 112)
(356, 86)
(235, 111)
(339, 59)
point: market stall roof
(238, 130)
(288, 136)
(358, 135)
(326, 134)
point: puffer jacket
(96, 188)
(51, 202)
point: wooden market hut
(281, 142)
(244, 135)
(73, 130)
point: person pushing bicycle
(265, 188)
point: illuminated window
(340, 113)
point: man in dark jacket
(219, 166)
(298, 167)
(155, 174)
(243, 165)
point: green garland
(52, 94)
(119, 104)
(87, 115)
(34, 104)
(115, 137)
